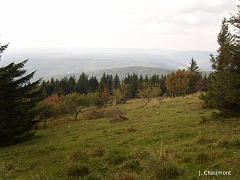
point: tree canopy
(18, 97)
(178, 82)
(224, 91)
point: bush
(116, 113)
(208, 103)
(95, 114)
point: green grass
(167, 139)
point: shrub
(95, 114)
(116, 113)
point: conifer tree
(82, 84)
(18, 97)
(116, 81)
(195, 78)
(224, 91)
(92, 84)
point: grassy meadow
(166, 139)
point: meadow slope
(166, 139)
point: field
(166, 139)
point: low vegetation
(171, 138)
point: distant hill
(202, 58)
(121, 72)
(51, 62)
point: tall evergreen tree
(82, 84)
(110, 83)
(224, 90)
(133, 85)
(92, 84)
(18, 97)
(71, 84)
(195, 78)
(116, 81)
(163, 84)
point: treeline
(85, 85)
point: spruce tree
(92, 84)
(82, 84)
(196, 76)
(18, 97)
(224, 91)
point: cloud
(132, 23)
(206, 7)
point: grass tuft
(76, 171)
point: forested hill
(121, 72)
(50, 62)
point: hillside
(167, 139)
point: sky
(159, 24)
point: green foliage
(92, 98)
(47, 109)
(122, 94)
(74, 103)
(224, 91)
(18, 97)
(195, 82)
(120, 91)
(82, 84)
(149, 91)
(103, 98)
(208, 102)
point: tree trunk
(45, 122)
(77, 112)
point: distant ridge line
(122, 72)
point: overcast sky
(161, 24)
